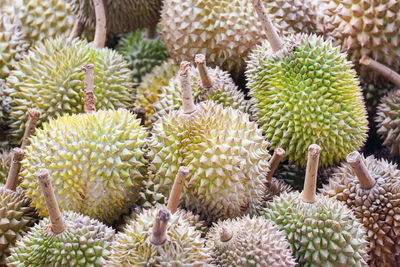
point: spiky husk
(85, 242)
(275, 188)
(95, 161)
(325, 233)
(5, 163)
(388, 120)
(184, 245)
(226, 153)
(306, 94)
(16, 217)
(377, 208)
(255, 242)
(50, 79)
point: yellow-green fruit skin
(95, 160)
(184, 245)
(324, 233)
(225, 152)
(378, 208)
(305, 94)
(85, 242)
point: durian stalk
(159, 234)
(279, 154)
(310, 183)
(17, 156)
(57, 222)
(151, 32)
(206, 81)
(225, 235)
(273, 38)
(141, 114)
(76, 30)
(187, 97)
(381, 69)
(101, 30)
(358, 166)
(34, 116)
(89, 88)
(175, 194)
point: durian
(304, 90)
(371, 188)
(66, 239)
(227, 153)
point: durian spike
(381, 69)
(206, 81)
(141, 114)
(101, 29)
(175, 194)
(273, 38)
(310, 183)
(358, 166)
(159, 234)
(57, 221)
(76, 30)
(34, 116)
(225, 235)
(151, 32)
(187, 97)
(17, 156)
(89, 88)
(279, 154)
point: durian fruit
(227, 153)
(162, 237)
(207, 84)
(249, 242)
(371, 188)
(142, 54)
(304, 90)
(320, 230)
(66, 239)
(365, 28)
(16, 216)
(151, 87)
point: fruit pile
(200, 133)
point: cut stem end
(176, 191)
(17, 156)
(225, 235)
(206, 81)
(358, 166)
(310, 183)
(159, 234)
(34, 116)
(385, 71)
(279, 154)
(89, 88)
(187, 97)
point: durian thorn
(101, 27)
(89, 88)
(358, 166)
(176, 191)
(279, 154)
(77, 30)
(57, 222)
(310, 183)
(385, 71)
(273, 38)
(141, 114)
(159, 235)
(17, 156)
(206, 81)
(151, 32)
(187, 97)
(30, 127)
(225, 235)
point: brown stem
(151, 32)
(279, 154)
(101, 28)
(206, 81)
(57, 222)
(89, 88)
(175, 194)
(34, 116)
(272, 35)
(386, 72)
(76, 30)
(358, 166)
(17, 156)
(159, 234)
(310, 182)
(141, 114)
(225, 235)
(187, 97)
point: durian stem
(274, 39)
(76, 30)
(206, 81)
(101, 28)
(279, 154)
(57, 222)
(141, 114)
(30, 127)
(358, 166)
(17, 156)
(187, 97)
(310, 183)
(159, 234)
(225, 235)
(381, 69)
(151, 32)
(89, 88)
(175, 194)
